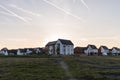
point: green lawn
(94, 67)
(48, 67)
(30, 69)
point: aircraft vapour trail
(5, 13)
(85, 4)
(14, 14)
(26, 11)
(63, 10)
(8, 14)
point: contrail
(63, 10)
(8, 14)
(14, 14)
(26, 11)
(85, 4)
(5, 13)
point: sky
(33, 23)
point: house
(50, 47)
(12, 52)
(60, 47)
(25, 51)
(115, 51)
(38, 50)
(79, 50)
(28, 51)
(103, 50)
(4, 51)
(21, 52)
(91, 50)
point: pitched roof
(4, 49)
(81, 48)
(92, 46)
(31, 49)
(22, 50)
(105, 47)
(116, 48)
(51, 43)
(12, 51)
(67, 42)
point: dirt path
(65, 67)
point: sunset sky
(33, 23)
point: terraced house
(115, 51)
(103, 50)
(60, 47)
(91, 50)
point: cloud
(23, 10)
(5, 13)
(85, 4)
(63, 10)
(14, 14)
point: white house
(4, 51)
(91, 50)
(28, 51)
(21, 52)
(103, 50)
(115, 51)
(25, 51)
(61, 46)
(38, 50)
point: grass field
(94, 67)
(49, 68)
(22, 68)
